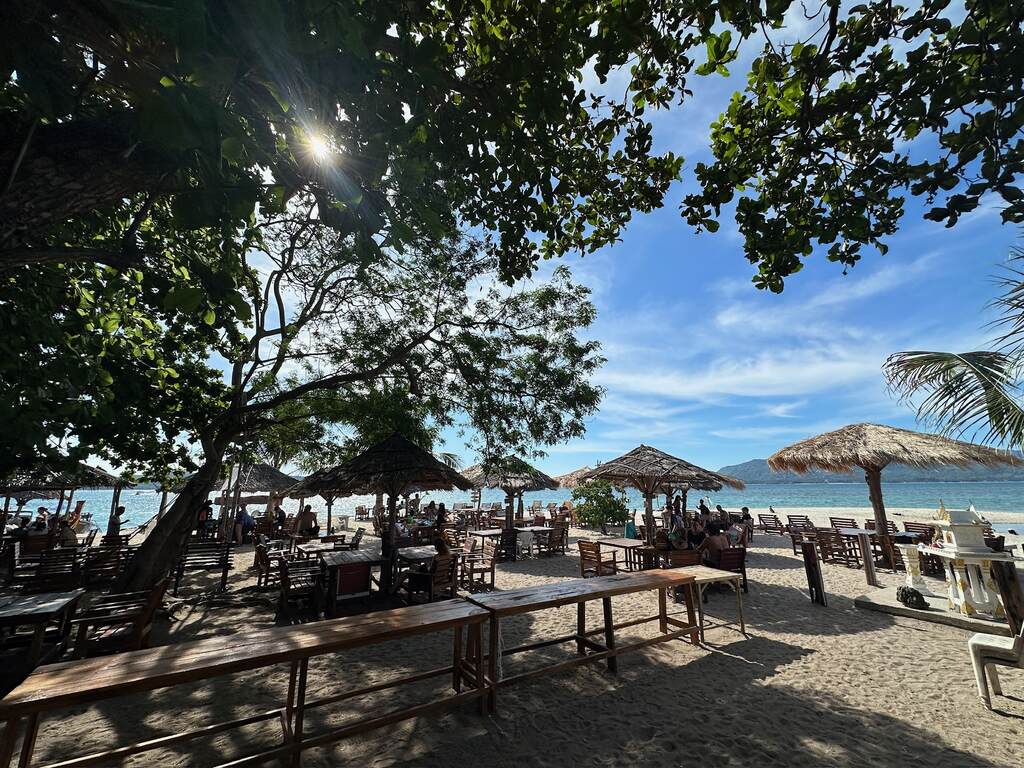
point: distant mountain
(757, 471)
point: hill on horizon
(757, 471)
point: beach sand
(810, 686)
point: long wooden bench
(578, 592)
(205, 557)
(86, 682)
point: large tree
(336, 337)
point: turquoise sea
(994, 497)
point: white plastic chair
(990, 651)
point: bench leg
(581, 628)
(10, 738)
(739, 607)
(609, 633)
(300, 710)
(692, 602)
(477, 639)
(29, 743)
(457, 659)
(663, 611)
(493, 660)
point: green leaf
(184, 299)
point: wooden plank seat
(89, 681)
(58, 570)
(771, 524)
(205, 557)
(501, 605)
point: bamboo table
(578, 592)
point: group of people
(707, 531)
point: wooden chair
(479, 567)
(991, 651)
(439, 581)
(592, 563)
(298, 585)
(205, 557)
(842, 522)
(835, 548)
(118, 622)
(508, 545)
(734, 560)
(103, 565)
(542, 542)
(559, 537)
(890, 526)
(353, 543)
(771, 524)
(679, 558)
(58, 571)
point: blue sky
(703, 365)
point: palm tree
(980, 394)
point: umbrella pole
(330, 503)
(388, 546)
(684, 491)
(649, 516)
(873, 475)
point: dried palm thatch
(651, 471)
(572, 479)
(872, 447)
(875, 446)
(394, 467)
(511, 474)
(52, 479)
(255, 478)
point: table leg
(663, 611)
(332, 591)
(692, 599)
(478, 661)
(700, 610)
(35, 651)
(493, 652)
(10, 738)
(609, 634)
(29, 743)
(300, 710)
(457, 659)
(581, 628)
(739, 605)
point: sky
(705, 366)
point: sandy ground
(810, 686)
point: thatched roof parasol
(876, 446)
(393, 467)
(653, 471)
(263, 477)
(511, 474)
(872, 447)
(572, 479)
(53, 479)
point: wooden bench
(578, 592)
(86, 682)
(205, 557)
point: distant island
(757, 471)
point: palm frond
(969, 393)
(1010, 304)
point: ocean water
(140, 506)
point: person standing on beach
(114, 523)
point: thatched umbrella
(572, 479)
(393, 467)
(47, 481)
(514, 476)
(872, 447)
(652, 472)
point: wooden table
(335, 561)
(88, 681)
(578, 592)
(627, 545)
(488, 533)
(417, 554)
(38, 611)
(312, 548)
(704, 575)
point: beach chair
(802, 522)
(118, 622)
(771, 524)
(842, 522)
(991, 651)
(890, 526)
(592, 563)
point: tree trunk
(162, 547)
(649, 517)
(874, 479)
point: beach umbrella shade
(651, 471)
(514, 476)
(392, 467)
(873, 447)
(54, 480)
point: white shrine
(960, 543)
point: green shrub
(599, 503)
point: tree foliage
(600, 504)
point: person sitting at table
(280, 517)
(737, 534)
(713, 544)
(678, 536)
(696, 533)
(244, 524)
(442, 516)
(307, 525)
(42, 516)
(67, 536)
(723, 515)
